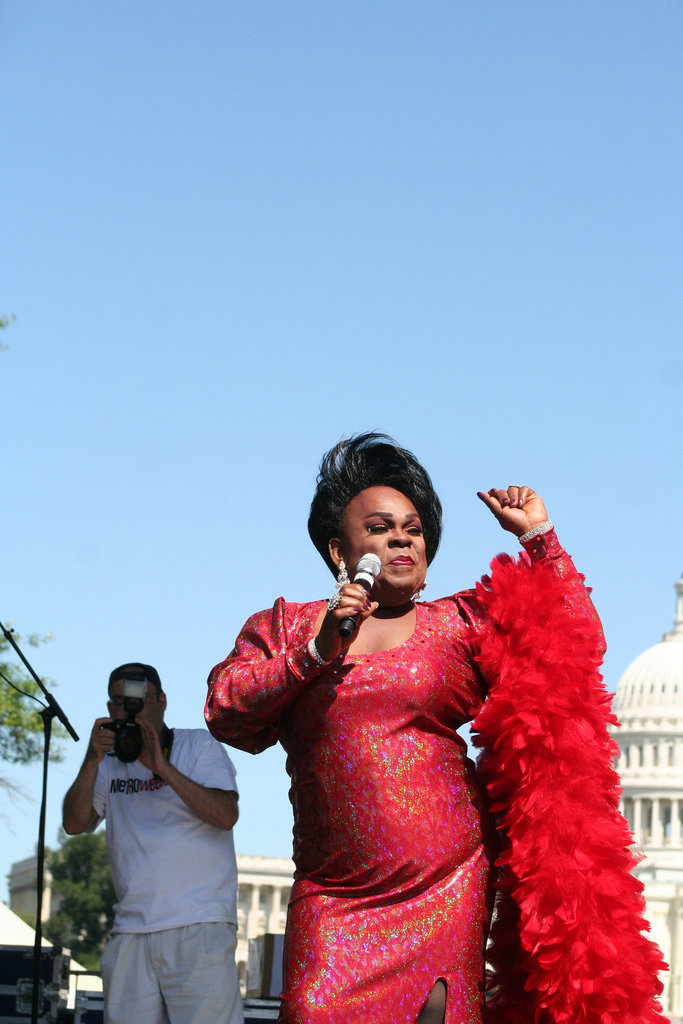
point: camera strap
(166, 744)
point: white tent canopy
(15, 932)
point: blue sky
(234, 232)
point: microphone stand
(50, 710)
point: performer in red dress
(398, 862)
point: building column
(274, 916)
(657, 829)
(252, 916)
(676, 821)
(667, 809)
(638, 820)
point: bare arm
(78, 812)
(216, 806)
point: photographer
(170, 800)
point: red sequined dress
(392, 836)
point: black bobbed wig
(370, 460)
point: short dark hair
(132, 670)
(370, 460)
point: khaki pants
(177, 976)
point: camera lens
(128, 742)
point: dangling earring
(342, 575)
(420, 591)
(342, 578)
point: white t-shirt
(170, 868)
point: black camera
(128, 736)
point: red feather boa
(567, 943)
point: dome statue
(652, 685)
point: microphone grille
(369, 563)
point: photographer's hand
(152, 756)
(218, 807)
(101, 740)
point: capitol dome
(649, 706)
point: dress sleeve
(543, 559)
(266, 671)
(548, 551)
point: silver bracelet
(315, 653)
(537, 531)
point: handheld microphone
(368, 567)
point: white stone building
(264, 885)
(649, 706)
